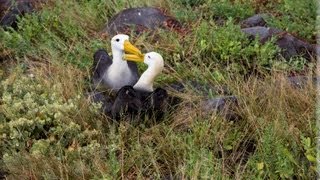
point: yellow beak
(131, 49)
(133, 57)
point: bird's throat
(119, 73)
(146, 80)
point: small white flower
(57, 115)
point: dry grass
(164, 149)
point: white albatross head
(155, 64)
(120, 43)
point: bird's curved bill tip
(133, 57)
(131, 49)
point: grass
(49, 129)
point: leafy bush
(228, 47)
(231, 9)
(191, 2)
(278, 157)
(40, 121)
(298, 17)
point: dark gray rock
(10, 10)
(3, 175)
(264, 33)
(302, 81)
(140, 19)
(290, 45)
(224, 106)
(203, 89)
(294, 46)
(256, 20)
(3, 171)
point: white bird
(114, 73)
(155, 66)
(142, 97)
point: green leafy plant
(40, 121)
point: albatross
(151, 101)
(114, 73)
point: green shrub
(41, 121)
(298, 17)
(280, 157)
(228, 47)
(228, 9)
(191, 2)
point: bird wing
(101, 62)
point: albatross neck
(146, 80)
(119, 73)
(117, 57)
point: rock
(224, 105)
(294, 46)
(291, 45)
(264, 33)
(3, 174)
(221, 105)
(177, 86)
(9, 11)
(197, 86)
(3, 171)
(141, 19)
(302, 81)
(256, 20)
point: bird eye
(149, 57)
(117, 40)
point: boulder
(203, 89)
(139, 20)
(224, 106)
(10, 10)
(302, 81)
(256, 20)
(289, 44)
